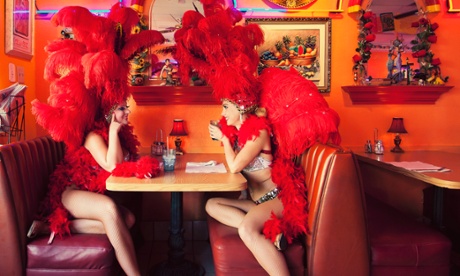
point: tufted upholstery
(349, 234)
(24, 173)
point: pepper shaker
(368, 147)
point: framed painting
(300, 43)
(454, 5)
(19, 28)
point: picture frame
(300, 43)
(388, 22)
(454, 6)
(19, 28)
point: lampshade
(178, 128)
(397, 126)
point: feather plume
(139, 41)
(299, 114)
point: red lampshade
(178, 128)
(397, 126)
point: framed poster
(19, 28)
(454, 5)
(300, 43)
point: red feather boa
(80, 169)
(249, 130)
(288, 177)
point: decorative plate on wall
(292, 4)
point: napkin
(418, 166)
(205, 167)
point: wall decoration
(388, 22)
(300, 43)
(19, 28)
(454, 5)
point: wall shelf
(395, 94)
(170, 95)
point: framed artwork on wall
(454, 5)
(300, 43)
(19, 28)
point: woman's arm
(106, 156)
(238, 161)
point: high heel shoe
(51, 239)
(280, 242)
(38, 227)
(34, 229)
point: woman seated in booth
(87, 111)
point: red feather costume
(223, 53)
(89, 75)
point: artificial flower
(432, 39)
(369, 38)
(365, 37)
(369, 25)
(357, 58)
(436, 62)
(421, 49)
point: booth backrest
(349, 234)
(24, 174)
(337, 240)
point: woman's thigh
(88, 205)
(243, 205)
(258, 215)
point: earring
(241, 118)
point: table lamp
(178, 130)
(397, 126)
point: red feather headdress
(221, 52)
(89, 75)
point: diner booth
(399, 150)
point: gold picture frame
(300, 43)
(19, 28)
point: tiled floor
(152, 247)
(154, 252)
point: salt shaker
(378, 149)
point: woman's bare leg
(90, 226)
(93, 206)
(250, 219)
(228, 211)
(250, 231)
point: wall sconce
(178, 130)
(397, 126)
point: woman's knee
(110, 210)
(247, 232)
(130, 219)
(211, 205)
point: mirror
(164, 18)
(393, 32)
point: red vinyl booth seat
(25, 168)
(350, 235)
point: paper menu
(205, 167)
(419, 166)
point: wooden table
(440, 180)
(176, 182)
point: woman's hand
(115, 126)
(215, 132)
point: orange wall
(29, 78)
(429, 126)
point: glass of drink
(169, 160)
(214, 123)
